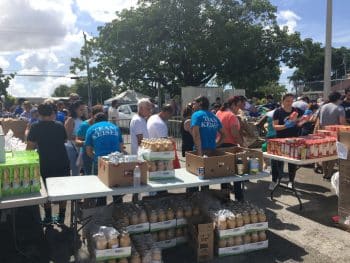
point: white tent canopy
(128, 96)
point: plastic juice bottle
(137, 176)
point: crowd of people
(70, 137)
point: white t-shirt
(138, 125)
(156, 127)
(300, 104)
(113, 114)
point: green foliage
(62, 91)
(272, 88)
(184, 43)
(308, 58)
(4, 82)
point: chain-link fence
(174, 130)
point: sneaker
(290, 185)
(59, 219)
(272, 186)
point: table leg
(13, 216)
(71, 213)
(74, 217)
(293, 189)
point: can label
(200, 172)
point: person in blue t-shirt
(102, 138)
(80, 138)
(205, 127)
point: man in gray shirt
(331, 114)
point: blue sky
(40, 36)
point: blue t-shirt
(209, 125)
(104, 137)
(81, 133)
(60, 116)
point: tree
(62, 91)
(5, 82)
(179, 43)
(309, 61)
(272, 88)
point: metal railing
(174, 130)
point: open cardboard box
(244, 154)
(217, 164)
(201, 232)
(114, 175)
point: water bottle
(137, 176)
(2, 146)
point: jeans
(237, 186)
(277, 170)
(87, 164)
(72, 153)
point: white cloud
(104, 10)
(288, 18)
(31, 24)
(4, 63)
(41, 87)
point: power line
(44, 76)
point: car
(126, 112)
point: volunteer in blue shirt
(80, 138)
(101, 139)
(205, 127)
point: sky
(38, 37)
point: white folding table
(75, 188)
(296, 162)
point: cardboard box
(344, 193)
(244, 154)
(140, 228)
(114, 175)
(217, 164)
(161, 175)
(256, 227)
(238, 231)
(227, 251)
(181, 222)
(16, 125)
(114, 253)
(166, 243)
(201, 232)
(256, 246)
(157, 156)
(163, 225)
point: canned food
(200, 172)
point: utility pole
(328, 52)
(88, 72)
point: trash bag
(335, 183)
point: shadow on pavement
(275, 253)
(29, 235)
(60, 243)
